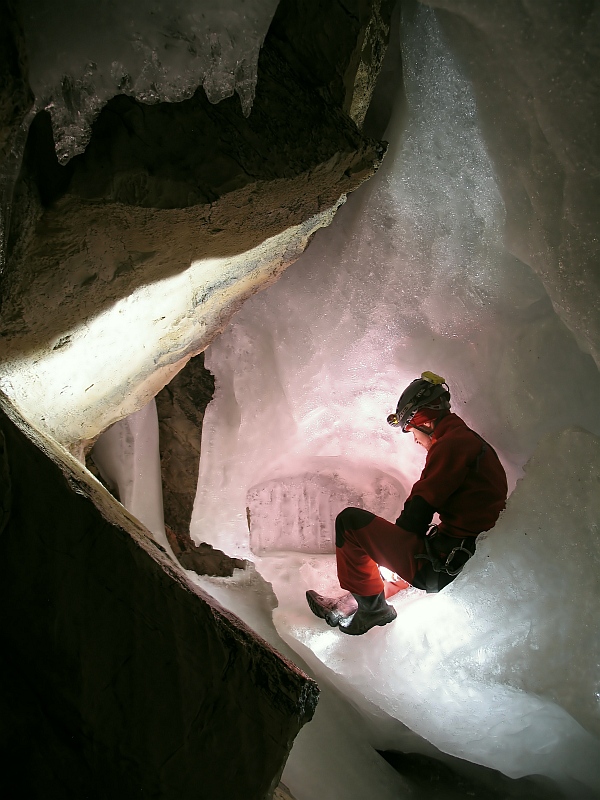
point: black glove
(416, 516)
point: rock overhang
(193, 193)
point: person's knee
(350, 519)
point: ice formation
(127, 456)
(82, 54)
(310, 502)
(414, 274)
(500, 668)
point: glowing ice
(502, 667)
(127, 456)
(414, 274)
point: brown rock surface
(120, 678)
(16, 97)
(202, 558)
(180, 407)
(163, 187)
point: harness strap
(432, 576)
(436, 562)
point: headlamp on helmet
(428, 391)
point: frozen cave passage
(416, 272)
(451, 258)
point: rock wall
(180, 407)
(16, 97)
(119, 677)
(131, 258)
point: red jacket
(463, 479)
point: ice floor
(501, 667)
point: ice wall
(501, 668)
(128, 458)
(414, 274)
(534, 68)
(81, 54)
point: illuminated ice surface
(413, 274)
(500, 669)
(128, 458)
(81, 54)
(503, 667)
(141, 340)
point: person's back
(463, 479)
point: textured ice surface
(502, 667)
(333, 756)
(309, 502)
(81, 54)
(534, 67)
(128, 458)
(414, 274)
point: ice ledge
(500, 668)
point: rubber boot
(371, 611)
(331, 609)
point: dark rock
(202, 558)
(5, 488)
(337, 47)
(16, 97)
(438, 779)
(160, 187)
(180, 407)
(16, 100)
(120, 678)
(389, 79)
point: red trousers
(363, 542)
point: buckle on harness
(458, 549)
(436, 562)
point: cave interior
(230, 234)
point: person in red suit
(462, 481)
